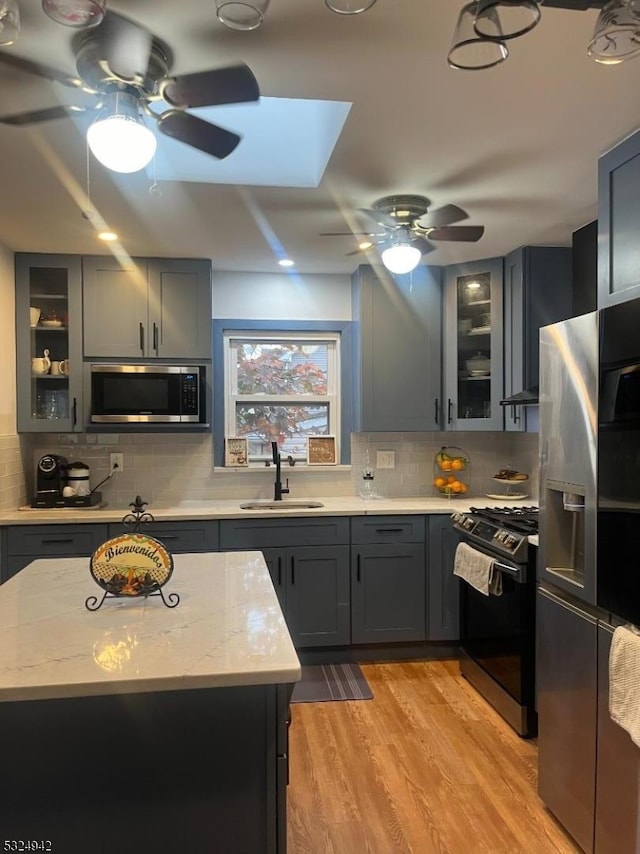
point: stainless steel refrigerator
(588, 767)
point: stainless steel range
(498, 632)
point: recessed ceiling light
(285, 262)
(107, 235)
(366, 244)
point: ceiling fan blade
(232, 85)
(445, 215)
(368, 248)
(126, 46)
(202, 135)
(46, 115)
(350, 234)
(381, 218)
(423, 245)
(457, 232)
(45, 71)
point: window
(283, 387)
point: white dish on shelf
(479, 330)
(52, 323)
(507, 496)
(510, 482)
(479, 373)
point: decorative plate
(507, 496)
(131, 565)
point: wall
(164, 469)
(12, 485)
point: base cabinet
(20, 545)
(443, 594)
(387, 593)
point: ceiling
(516, 146)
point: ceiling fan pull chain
(154, 189)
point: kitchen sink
(281, 505)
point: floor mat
(323, 683)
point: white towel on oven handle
(624, 680)
(478, 570)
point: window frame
(232, 397)
(272, 328)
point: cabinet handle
(169, 536)
(142, 337)
(155, 338)
(436, 413)
(449, 405)
(293, 570)
(389, 530)
(279, 571)
(75, 411)
(514, 414)
(56, 541)
(358, 568)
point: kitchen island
(139, 727)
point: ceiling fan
(126, 69)
(406, 227)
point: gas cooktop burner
(521, 519)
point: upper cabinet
(397, 349)
(48, 343)
(619, 223)
(150, 308)
(473, 346)
(537, 291)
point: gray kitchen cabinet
(308, 559)
(50, 285)
(619, 222)
(443, 590)
(180, 537)
(22, 544)
(537, 291)
(149, 308)
(387, 593)
(387, 579)
(473, 346)
(397, 364)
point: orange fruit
(456, 486)
(439, 482)
(445, 465)
(452, 478)
(457, 464)
(463, 487)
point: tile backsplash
(13, 491)
(166, 468)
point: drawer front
(387, 529)
(55, 540)
(178, 537)
(276, 533)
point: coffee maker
(51, 479)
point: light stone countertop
(230, 509)
(227, 630)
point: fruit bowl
(449, 464)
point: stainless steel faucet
(278, 489)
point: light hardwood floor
(426, 766)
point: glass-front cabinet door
(473, 346)
(49, 343)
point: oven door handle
(518, 573)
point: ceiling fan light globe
(401, 258)
(75, 13)
(121, 143)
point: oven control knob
(510, 541)
(456, 517)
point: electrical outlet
(116, 461)
(385, 459)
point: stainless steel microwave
(152, 394)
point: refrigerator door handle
(585, 615)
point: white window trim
(332, 398)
